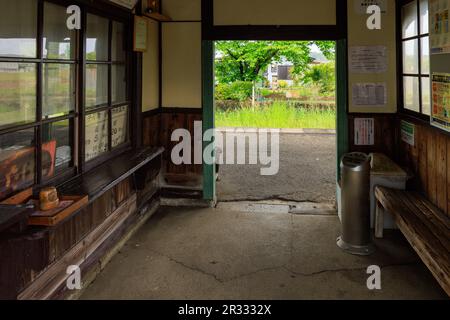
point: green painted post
(209, 182)
(341, 102)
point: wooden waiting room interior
(88, 112)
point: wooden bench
(425, 227)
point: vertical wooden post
(209, 183)
(341, 102)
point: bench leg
(379, 220)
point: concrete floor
(307, 173)
(221, 253)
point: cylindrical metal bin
(355, 183)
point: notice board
(440, 63)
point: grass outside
(279, 115)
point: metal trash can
(355, 182)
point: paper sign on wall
(440, 111)
(369, 94)
(364, 132)
(368, 59)
(140, 34)
(439, 26)
(407, 132)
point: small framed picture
(153, 6)
(140, 34)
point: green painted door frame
(341, 103)
(209, 181)
(209, 171)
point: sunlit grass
(278, 115)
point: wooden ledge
(101, 179)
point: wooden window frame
(77, 116)
(401, 75)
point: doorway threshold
(279, 206)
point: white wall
(150, 69)
(271, 12)
(360, 35)
(181, 65)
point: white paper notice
(364, 132)
(368, 59)
(369, 94)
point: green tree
(247, 60)
(322, 75)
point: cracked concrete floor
(183, 253)
(307, 172)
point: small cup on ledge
(48, 199)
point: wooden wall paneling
(151, 130)
(53, 277)
(423, 158)
(122, 191)
(173, 122)
(448, 177)
(83, 223)
(413, 152)
(102, 207)
(441, 172)
(61, 238)
(23, 257)
(432, 166)
(195, 169)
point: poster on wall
(369, 94)
(368, 59)
(439, 26)
(440, 111)
(364, 132)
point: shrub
(237, 91)
(322, 75)
(282, 84)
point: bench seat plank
(419, 227)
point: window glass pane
(426, 102)
(58, 40)
(119, 126)
(409, 20)
(96, 85)
(18, 39)
(96, 142)
(17, 93)
(56, 147)
(117, 45)
(119, 84)
(17, 161)
(425, 55)
(411, 57)
(97, 38)
(411, 93)
(423, 16)
(58, 89)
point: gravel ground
(307, 173)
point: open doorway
(285, 85)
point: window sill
(99, 180)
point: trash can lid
(355, 160)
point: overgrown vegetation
(277, 115)
(246, 98)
